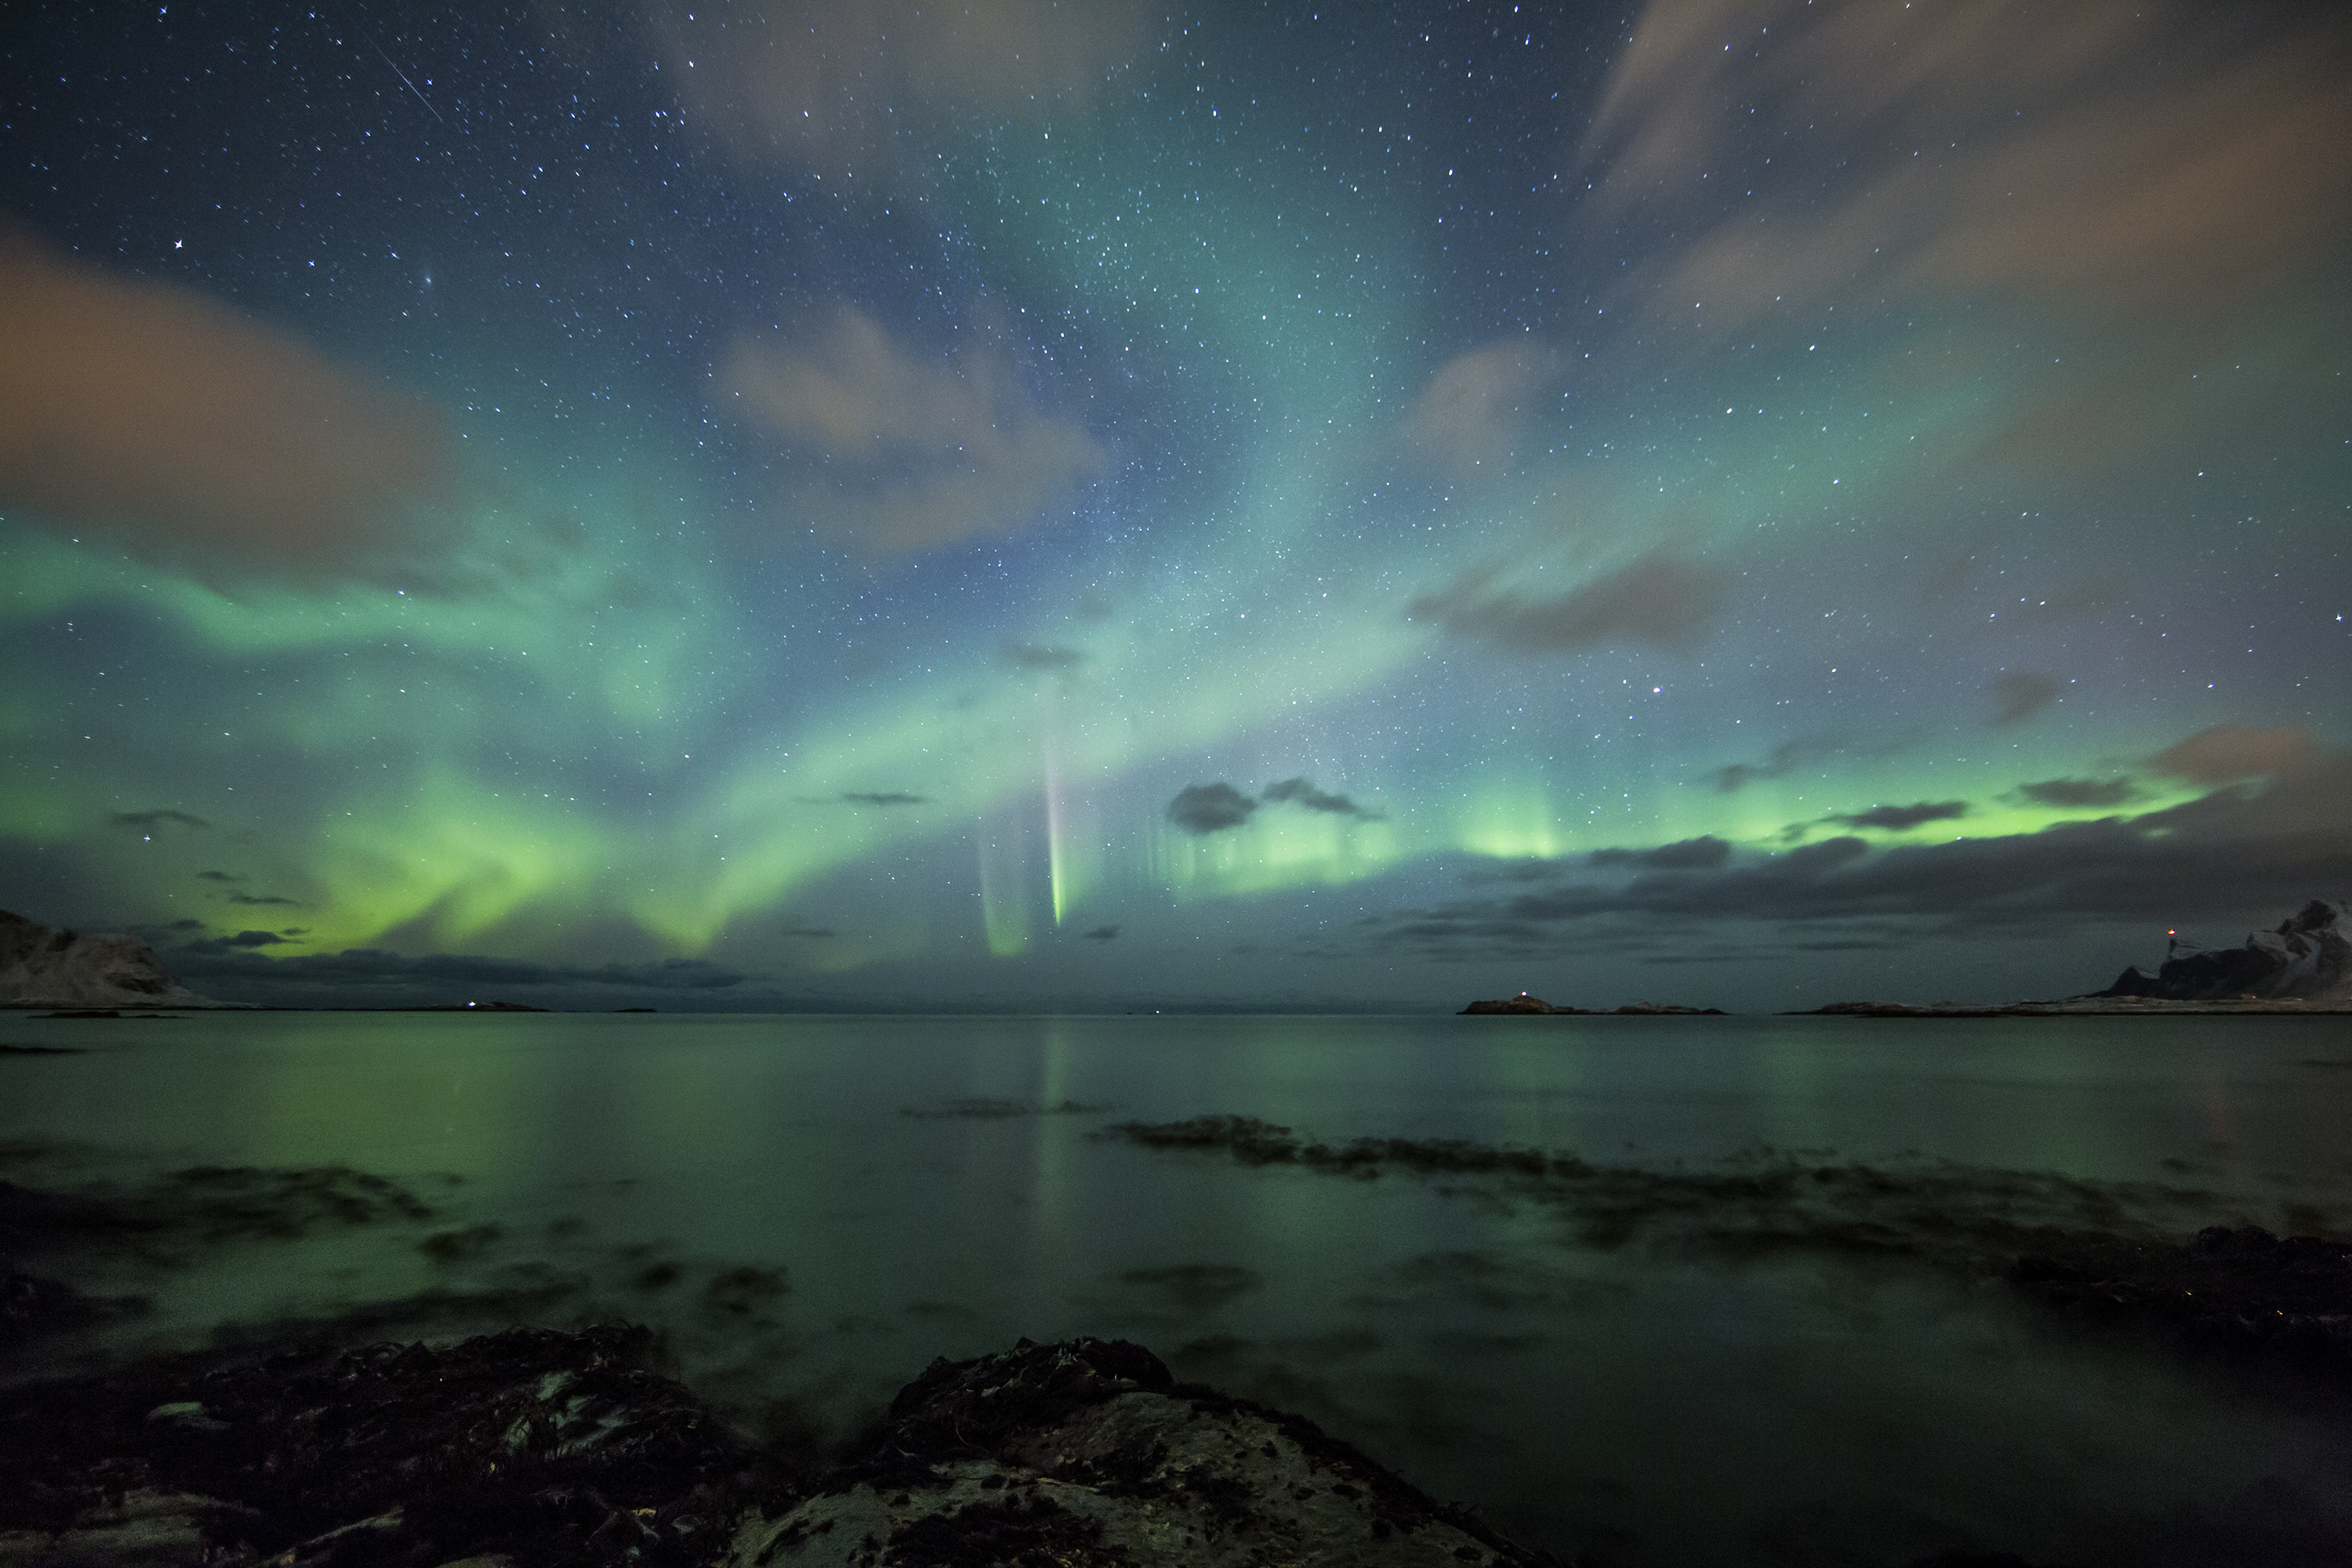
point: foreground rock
(533, 1446)
(46, 967)
(1090, 1452)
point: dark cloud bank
(2243, 851)
(229, 968)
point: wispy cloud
(1660, 598)
(2019, 694)
(901, 450)
(865, 93)
(150, 819)
(1472, 410)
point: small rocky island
(1527, 1004)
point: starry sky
(866, 504)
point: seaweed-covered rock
(1090, 1453)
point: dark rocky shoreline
(534, 1447)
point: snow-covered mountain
(45, 966)
(2309, 956)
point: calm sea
(1755, 1327)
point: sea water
(1697, 1351)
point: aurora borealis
(866, 503)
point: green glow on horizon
(1303, 849)
(1005, 896)
(1510, 821)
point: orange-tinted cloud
(858, 90)
(2071, 209)
(149, 415)
(2232, 751)
(905, 453)
(2116, 158)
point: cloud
(2233, 853)
(2020, 695)
(1469, 414)
(1031, 655)
(169, 425)
(1796, 753)
(883, 798)
(905, 451)
(156, 819)
(242, 940)
(2128, 187)
(1735, 776)
(862, 92)
(2078, 792)
(259, 899)
(1102, 933)
(1202, 809)
(1706, 853)
(360, 967)
(2229, 752)
(1301, 792)
(1896, 819)
(1660, 598)
(2136, 163)
(220, 876)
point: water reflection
(1726, 1314)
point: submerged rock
(1089, 1452)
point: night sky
(859, 503)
